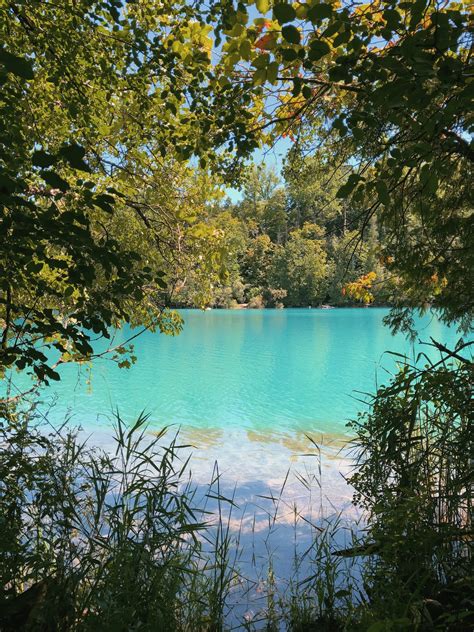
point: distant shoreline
(245, 307)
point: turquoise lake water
(247, 389)
(294, 370)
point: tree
(344, 266)
(300, 267)
(274, 221)
(102, 104)
(256, 261)
(386, 85)
(264, 203)
(210, 274)
(313, 183)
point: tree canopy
(102, 105)
(384, 88)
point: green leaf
(291, 34)
(416, 11)
(338, 73)
(333, 28)
(115, 192)
(319, 12)
(339, 125)
(272, 72)
(115, 13)
(349, 186)
(55, 181)
(7, 184)
(382, 192)
(284, 13)
(262, 5)
(261, 61)
(41, 158)
(428, 179)
(34, 267)
(16, 65)
(392, 17)
(68, 216)
(297, 84)
(341, 38)
(74, 155)
(105, 202)
(245, 49)
(424, 173)
(259, 76)
(288, 54)
(318, 49)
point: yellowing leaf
(262, 5)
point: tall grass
(117, 540)
(105, 540)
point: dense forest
(122, 125)
(291, 243)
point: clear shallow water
(262, 371)
(246, 389)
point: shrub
(414, 479)
(256, 302)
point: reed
(93, 539)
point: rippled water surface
(262, 371)
(247, 389)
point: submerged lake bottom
(261, 399)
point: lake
(248, 389)
(262, 371)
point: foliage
(386, 85)
(115, 120)
(262, 252)
(256, 261)
(102, 105)
(92, 539)
(312, 183)
(210, 272)
(300, 267)
(263, 207)
(414, 478)
(361, 288)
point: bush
(414, 479)
(256, 302)
(275, 296)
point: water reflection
(257, 467)
(268, 370)
(284, 489)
